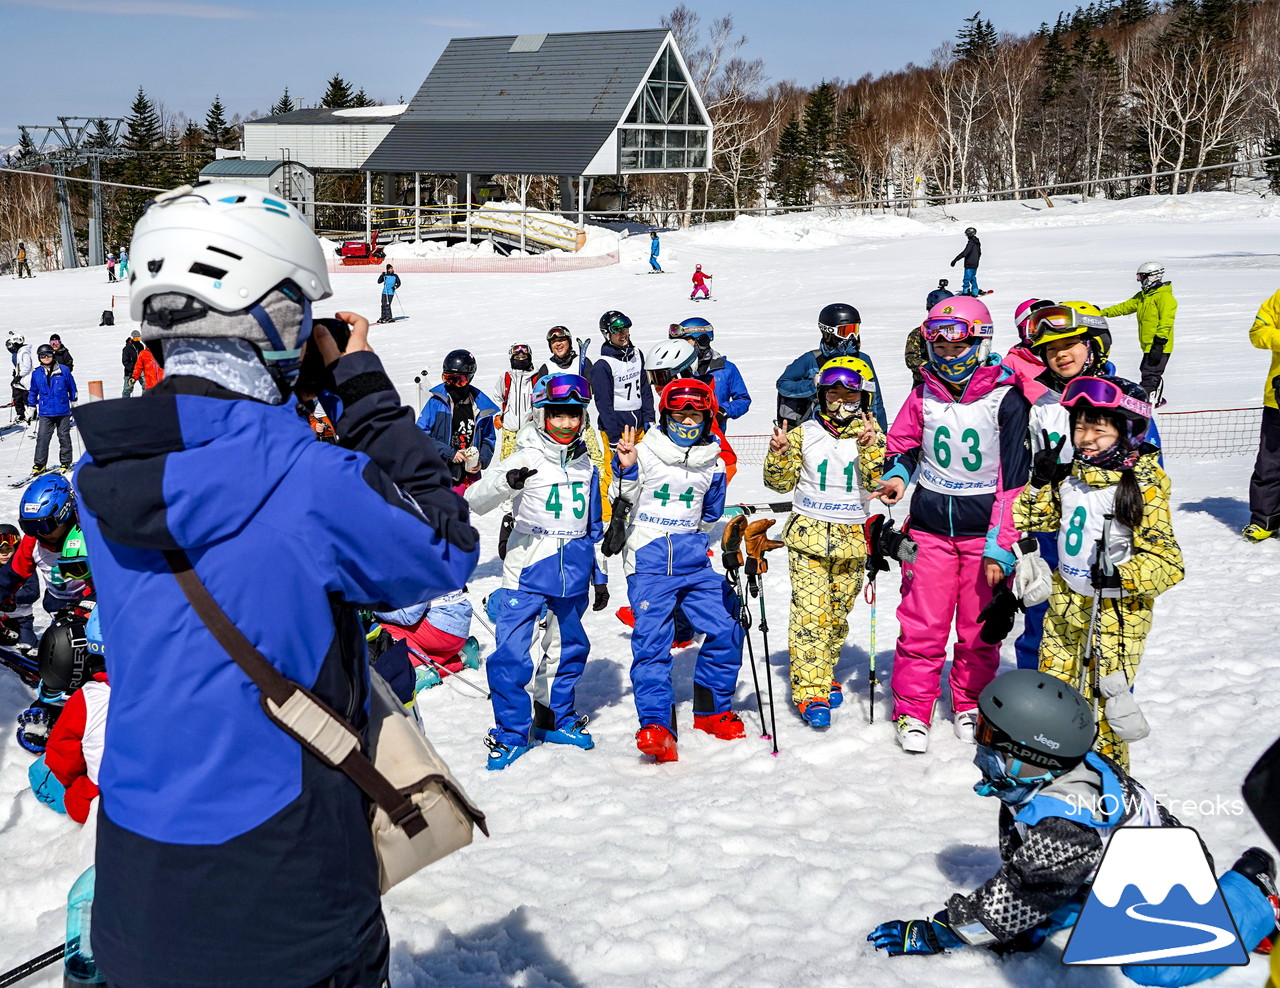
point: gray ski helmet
(1036, 718)
(970, 231)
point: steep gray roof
(547, 111)
(240, 168)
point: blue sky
(85, 57)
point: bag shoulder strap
(294, 709)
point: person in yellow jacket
(831, 460)
(1116, 549)
(1264, 485)
(1156, 308)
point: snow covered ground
(732, 867)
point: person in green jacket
(1156, 307)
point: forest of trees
(1104, 102)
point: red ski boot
(656, 740)
(627, 616)
(727, 726)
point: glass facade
(665, 130)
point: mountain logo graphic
(1155, 901)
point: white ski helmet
(1150, 274)
(228, 247)
(669, 360)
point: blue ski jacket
(437, 421)
(226, 853)
(52, 390)
(797, 380)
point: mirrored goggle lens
(1053, 317)
(952, 330)
(555, 336)
(1102, 394)
(618, 325)
(831, 376)
(9, 540)
(695, 398)
(74, 569)
(521, 351)
(846, 332)
(662, 377)
(457, 380)
(567, 387)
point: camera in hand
(313, 376)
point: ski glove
(915, 936)
(1122, 710)
(1032, 578)
(34, 727)
(615, 537)
(758, 543)
(998, 616)
(504, 533)
(876, 563)
(601, 599)
(1046, 471)
(898, 545)
(1104, 575)
(731, 544)
(516, 478)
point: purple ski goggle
(846, 376)
(559, 388)
(1103, 394)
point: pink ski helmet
(955, 319)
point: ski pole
(28, 968)
(731, 542)
(445, 674)
(759, 543)
(869, 595)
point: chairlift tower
(66, 145)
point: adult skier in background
(24, 362)
(732, 398)
(655, 247)
(1156, 309)
(1060, 805)
(390, 281)
(840, 325)
(250, 864)
(565, 358)
(129, 358)
(1264, 485)
(515, 396)
(972, 256)
(621, 388)
(53, 392)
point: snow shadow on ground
(503, 954)
(1231, 511)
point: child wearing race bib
(832, 459)
(675, 483)
(1114, 498)
(962, 435)
(549, 562)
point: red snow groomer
(360, 252)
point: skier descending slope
(964, 433)
(1115, 543)
(550, 557)
(235, 856)
(831, 460)
(1060, 805)
(675, 481)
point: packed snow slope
(732, 867)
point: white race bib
(672, 496)
(830, 485)
(626, 382)
(960, 452)
(1083, 511)
(1049, 415)
(555, 502)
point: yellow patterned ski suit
(1154, 567)
(826, 560)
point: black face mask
(522, 363)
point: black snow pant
(24, 266)
(386, 308)
(1154, 361)
(20, 403)
(371, 967)
(47, 424)
(1264, 485)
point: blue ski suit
(549, 562)
(677, 496)
(226, 853)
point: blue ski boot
(501, 755)
(837, 694)
(425, 677)
(470, 654)
(575, 735)
(816, 713)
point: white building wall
(341, 146)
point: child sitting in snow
(437, 634)
(674, 481)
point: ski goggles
(618, 324)
(455, 380)
(987, 735)
(41, 527)
(558, 333)
(849, 378)
(74, 569)
(847, 331)
(952, 329)
(692, 395)
(1049, 322)
(560, 389)
(690, 329)
(1101, 393)
(9, 540)
(663, 376)
(521, 350)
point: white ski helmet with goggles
(219, 259)
(669, 360)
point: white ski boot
(913, 735)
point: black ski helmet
(9, 536)
(65, 661)
(970, 231)
(613, 321)
(1036, 718)
(460, 362)
(834, 317)
(559, 333)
